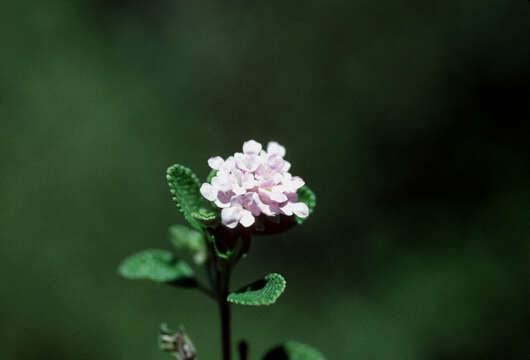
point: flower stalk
(224, 312)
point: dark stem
(224, 312)
(224, 309)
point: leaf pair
(160, 266)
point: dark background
(409, 119)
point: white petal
(248, 181)
(287, 209)
(273, 148)
(278, 196)
(229, 164)
(209, 191)
(251, 147)
(221, 204)
(300, 209)
(238, 190)
(223, 181)
(276, 178)
(216, 162)
(247, 219)
(294, 184)
(230, 216)
(247, 162)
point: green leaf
(306, 196)
(262, 292)
(298, 351)
(154, 264)
(211, 176)
(184, 186)
(185, 239)
(292, 350)
(205, 217)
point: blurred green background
(408, 119)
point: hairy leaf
(206, 217)
(184, 186)
(306, 196)
(262, 292)
(292, 350)
(185, 239)
(154, 264)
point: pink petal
(274, 148)
(260, 205)
(251, 147)
(223, 199)
(209, 191)
(292, 197)
(265, 196)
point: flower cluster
(254, 182)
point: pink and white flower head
(252, 183)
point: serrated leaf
(154, 264)
(184, 186)
(292, 350)
(308, 197)
(262, 292)
(206, 217)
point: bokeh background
(409, 119)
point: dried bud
(177, 343)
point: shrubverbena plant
(249, 193)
